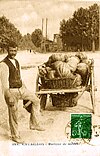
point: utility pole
(46, 27)
(42, 25)
(42, 42)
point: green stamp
(81, 126)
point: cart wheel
(92, 88)
(43, 100)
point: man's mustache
(12, 54)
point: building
(52, 46)
(58, 42)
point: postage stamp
(81, 126)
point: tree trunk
(93, 46)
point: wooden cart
(88, 86)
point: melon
(82, 69)
(51, 74)
(56, 57)
(73, 62)
(62, 69)
(82, 56)
(42, 71)
(78, 80)
(48, 69)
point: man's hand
(10, 98)
(11, 101)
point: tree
(73, 31)
(94, 26)
(8, 32)
(82, 30)
(26, 42)
(63, 32)
(37, 37)
(80, 18)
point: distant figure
(78, 50)
(30, 50)
(14, 89)
(34, 52)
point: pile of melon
(66, 66)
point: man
(14, 89)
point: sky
(27, 15)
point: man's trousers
(24, 94)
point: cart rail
(50, 91)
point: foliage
(80, 31)
(8, 32)
(26, 43)
(37, 37)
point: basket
(59, 83)
(64, 100)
